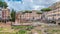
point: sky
(29, 4)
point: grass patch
(39, 31)
(22, 27)
(22, 32)
(1, 29)
(6, 33)
(53, 31)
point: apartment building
(28, 16)
(55, 5)
(52, 15)
(31, 16)
(55, 13)
(18, 17)
(5, 14)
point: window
(54, 15)
(58, 18)
(58, 23)
(8, 17)
(58, 14)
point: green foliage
(28, 11)
(23, 12)
(31, 27)
(46, 9)
(1, 29)
(13, 13)
(22, 27)
(39, 12)
(22, 32)
(18, 27)
(3, 4)
(6, 33)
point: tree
(39, 12)
(3, 4)
(46, 9)
(13, 14)
(27, 11)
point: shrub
(21, 32)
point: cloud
(37, 7)
(29, 4)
